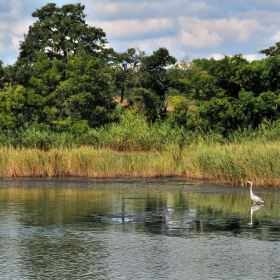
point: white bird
(255, 198)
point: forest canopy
(67, 79)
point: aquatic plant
(229, 163)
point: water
(137, 229)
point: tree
(272, 51)
(125, 69)
(271, 73)
(224, 71)
(60, 33)
(11, 106)
(155, 77)
(42, 86)
(178, 114)
(84, 96)
(63, 64)
(1, 74)
(202, 85)
(216, 114)
(252, 111)
(250, 77)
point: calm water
(137, 229)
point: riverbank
(214, 162)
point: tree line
(67, 79)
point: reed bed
(85, 162)
(231, 163)
(235, 163)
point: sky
(189, 29)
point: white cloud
(276, 37)
(251, 57)
(15, 42)
(134, 29)
(217, 56)
(20, 27)
(198, 28)
(199, 38)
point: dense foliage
(66, 80)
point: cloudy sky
(189, 29)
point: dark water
(137, 229)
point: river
(137, 229)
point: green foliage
(88, 89)
(151, 105)
(216, 114)
(51, 33)
(178, 114)
(66, 79)
(11, 106)
(272, 51)
(155, 76)
(1, 75)
(65, 70)
(252, 111)
(124, 70)
(249, 77)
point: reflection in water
(254, 209)
(141, 229)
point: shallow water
(137, 229)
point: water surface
(137, 229)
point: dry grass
(219, 163)
(85, 162)
(235, 163)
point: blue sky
(189, 29)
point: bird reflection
(254, 209)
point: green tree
(155, 76)
(148, 104)
(271, 73)
(203, 85)
(178, 114)
(85, 96)
(1, 74)
(224, 71)
(60, 33)
(216, 114)
(63, 64)
(250, 77)
(11, 106)
(125, 70)
(271, 51)
(252, 111)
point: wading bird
(255, 198)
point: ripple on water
(119, 233)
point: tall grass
(132, 133)
(235, 163)
(84, 161)
(221, 163)
(133, 148)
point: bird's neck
(251, 190)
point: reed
(85, 162)
(224, 163)
(234, 163)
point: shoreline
(200, 180)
